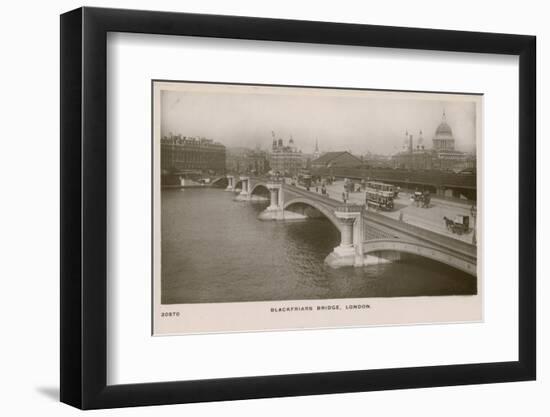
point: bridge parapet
(350, 208)
(273, 179)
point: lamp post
(473, 212)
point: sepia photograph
(255, 206)
(289, 207)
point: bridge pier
(275, 196)
(245, 189)
(349, 252)
(230, 183)
(275, 209)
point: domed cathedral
(443, 139)
(442, 154)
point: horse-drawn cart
(460, 224)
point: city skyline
(245, 116)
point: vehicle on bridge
(379, 195)
(351, 186)
(421, 198)
(304, 178)
(460, 224)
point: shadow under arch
(259, 188)
(297, 205)
(220, 182)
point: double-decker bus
(380, 195)
(304, 178)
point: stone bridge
(366, 237)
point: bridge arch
(326, 211)
(462, 263)
(220, 182)
(259, 186)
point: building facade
(286, 159)
(373, 160)
(247, 161)
(180, 154)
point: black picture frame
(84, 207)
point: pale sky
(359, 122)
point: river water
(215, 249)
